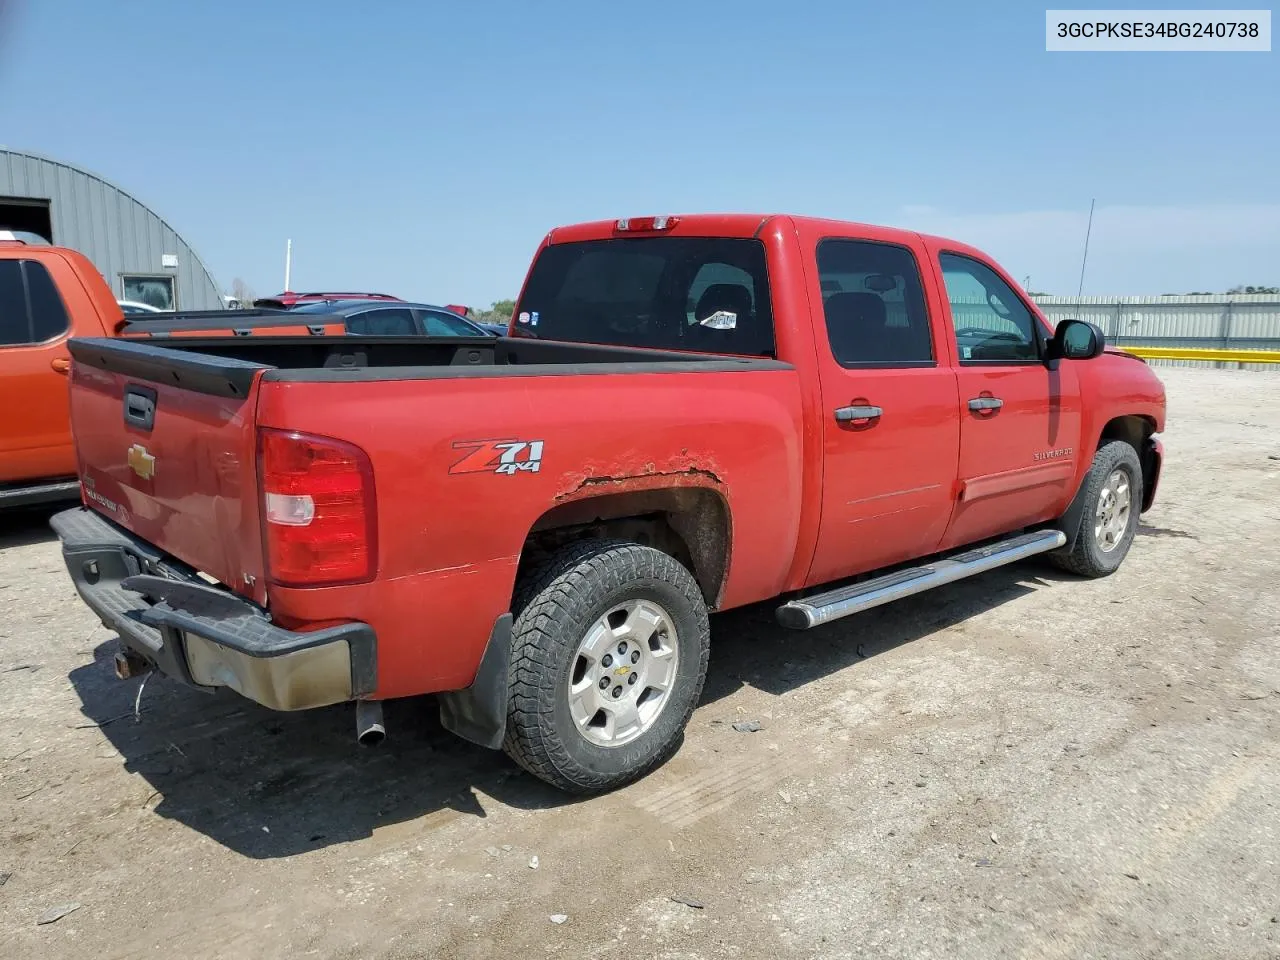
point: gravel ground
(1023, 765)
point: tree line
(499, 312)
(1234, 291)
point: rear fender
(684, 514)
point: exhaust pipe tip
(369, 728)
(128, 664)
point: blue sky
(425, 148)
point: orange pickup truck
(689, 414)
(49, 295)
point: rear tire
(1112, 497)
(609, 652)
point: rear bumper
(40, 491)
(206, 636)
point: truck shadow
(749, 648)
(24, 526)
(270, 785)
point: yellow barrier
(1204, 353)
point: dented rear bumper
(204, 635)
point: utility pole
(1085, 259)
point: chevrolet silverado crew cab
(689, 414)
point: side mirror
(1077, 340)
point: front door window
(991, 322)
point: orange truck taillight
(319, 517)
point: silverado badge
(141, 462)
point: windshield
(325, 306)
(673, 293)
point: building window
(155, 290)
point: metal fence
(1244, 322)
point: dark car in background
(288, 300)
(395, 319)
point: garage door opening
(25, 215)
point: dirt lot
(1024, 765)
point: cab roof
(733, 225)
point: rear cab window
(703, 294)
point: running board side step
(824, 607)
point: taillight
(319, 517)
(635, 224)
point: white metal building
(142, 258)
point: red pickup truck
(689, 414)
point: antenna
(1085, 259)
(288, 263)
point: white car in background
(128, 307)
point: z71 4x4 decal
(498, 456)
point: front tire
(609, 653)
(1112, 499)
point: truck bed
(227, 366)
(168, 437)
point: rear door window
(31, 310)
(674, 293)
(48, 315)
(873, 303)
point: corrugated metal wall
(118, 233)
(1243, 322)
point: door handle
(60, 364)
(985, 405)
(856, 414)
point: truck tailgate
(166, 448)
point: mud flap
(479, 712)
(1152, 459)
(1069, 522)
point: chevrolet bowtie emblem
(141, 462)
